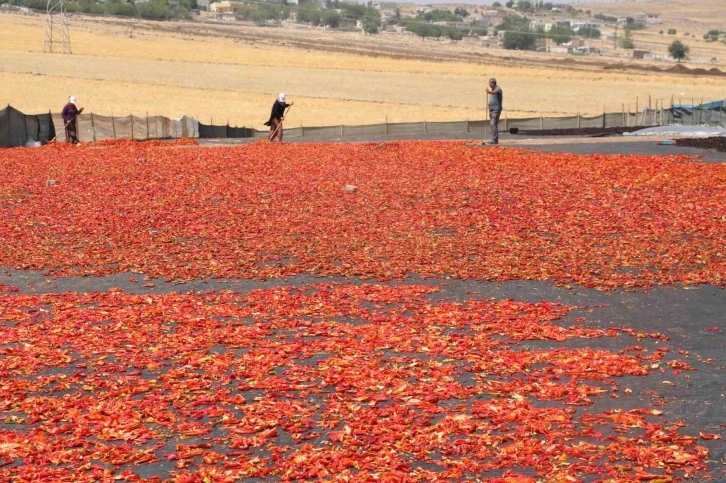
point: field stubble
(162, 72)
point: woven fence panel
(403, 128)
(447, 127)
(525, 123)
(368, 130)
(322, 131)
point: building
(560, 49)
(225, 6)
(638, 19)
(586, 24)
(652, 19)
(640, 54)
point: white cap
(72, 99)
(281, 97)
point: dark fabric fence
(19, 129)
(210, 131)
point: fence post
(132, 126)
(386, 124)
(637, 105)
(541, 123)
(426, 127)
(579, 121)
(467, 126)
(506, 121)
(147, 125)
(93, 128)
(604, 118)
(302, 131)
(341, 130)
(622, 107)
(113, 126)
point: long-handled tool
(279, 125)
(66, 124)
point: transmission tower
(57, 32)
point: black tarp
(17, 128)
(207, 131)
(713, 116)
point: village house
(224, 7)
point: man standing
(276, 117)
(495, 97)
(70, 119)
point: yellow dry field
(214, 78)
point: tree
(461, 12)
(309, 15)
(441, 16)
(712, 35)
(519, 40)
(560, 34)
(514, 23)
(627, 41)
(120, 7)
(606, 18)
(258, 17)
(525, 6)
(331, 18)
(678, 50)
(496, 5)
(455, 34)
(589, 32)
(371, 21)
(155, 9)
(509, 4)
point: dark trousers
(494, 119)
(71, 132)
(276, 130)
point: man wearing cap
(276, 117)
(70, 119)
(495, 97)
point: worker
(276, 117)
(70, 120)
(495, 97)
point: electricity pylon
(57, 31)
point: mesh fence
(18, 129)
(93, 127)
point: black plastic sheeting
(714, 116)
(18, 129)
(207, 131)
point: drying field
(163, 70)
(260, 321)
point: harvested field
(215, 75)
